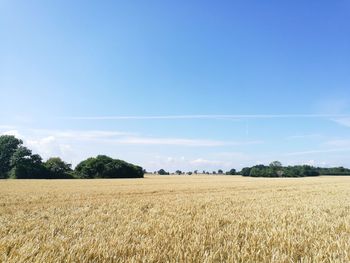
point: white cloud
(7, 127)
(205, 163)
(318, 151)
(127, 138)
(12, 132)
(311, 162)
(50, 146)
(335, 105)
(343, 121)
(341, 143)
(201, 162)
(208, 116)
(179, 142)
(76, 145)
(81, 134)
(187, 164)
(305, 136)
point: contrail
(210, 116)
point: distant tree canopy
(275, 169)
(231, 172)
(18, 162)
(26, 165)
(162, 172)
(8, 146)
(276, 164)
(106, 167)
(333, 171)
(58, 168)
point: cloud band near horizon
(207, 116)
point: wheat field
(176, 219)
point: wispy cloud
(11, 132)
(318, 151)
(189, 164)
(208, 116)
(341, 143)
(335, 105)
(50, 146)
(118, 137)
(205, 163)
(81, 134)
(6, 127)
(305, 136)
(181, 142)
(343, 121)
(74, 145)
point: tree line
(179, 172)
(18, 162)
(275, 169)
(333, 171)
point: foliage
(18, 162)
(334, 171)
(245, 171)
(276, 169)
(103, 166)
(231, 172)
(162, 172)
(58, 169)
(8, 146)
(276, 164)
(26, 165)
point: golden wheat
(176, 219)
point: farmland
(176, 218)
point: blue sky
(178, 84)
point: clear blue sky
(199, 84)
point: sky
(189, 85)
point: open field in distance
(176, 218)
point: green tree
(8, 146)
(245, 171)
(162, 172)
(58, 169)
(105, 167)
(231, 172)
(26, 165)
(276, 164)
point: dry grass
(176, 219)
